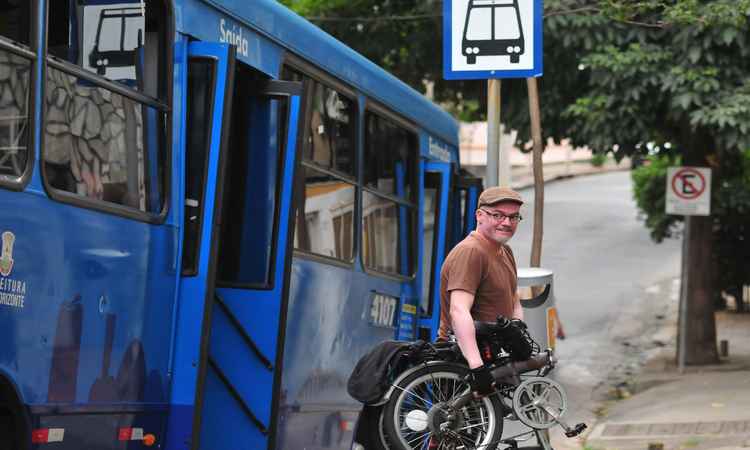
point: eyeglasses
(499, 217)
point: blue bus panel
(111, 343)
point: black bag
(515, 340)
(373, 373)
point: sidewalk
(706, 407)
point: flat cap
(497, 194)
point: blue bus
(209, 210)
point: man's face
(498, 222)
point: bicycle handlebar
(511, 369)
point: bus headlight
(509, 49)
(469, 50)
(517, 49)
(476, 50)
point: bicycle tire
(416, 400)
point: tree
(730, 213)
(672, 74)
(402, 36)
(619, 75)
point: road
(611, 281)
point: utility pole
(536, 134)
(493, 131)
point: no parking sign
(689, 191)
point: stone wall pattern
(99, 135)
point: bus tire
(370, 431)
(515, 58)
(471, 59)
(414, 400)
(15, 430)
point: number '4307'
(383, 310)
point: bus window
(122, 40)
(15, 21)
(331, 139)
(390, 157)
(15, 73)
(325, 224)
(388, 210)
(15, 70)
(325, 195)
(102, 145)
(251, 191)
(386, 235)
(200, 84)
(430, 211)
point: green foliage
(620, 73)
(649, 191)
(730, 208)
(404, 37)
(598, 159)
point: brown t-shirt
(485, 268)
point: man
(478, 279)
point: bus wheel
(514, 59)
(370, 431)
(471, 59)
(15, 432)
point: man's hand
(481, 381)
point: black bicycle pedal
(576, 430)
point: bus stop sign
(492, 39)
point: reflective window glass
(430, 220)
(15, 20)
(101, 145)
(324, 215)
(390, 157)
(14, 110)
(122, 41)
(332, 130)
(387, 235)
(198, 129)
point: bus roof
(301, 37)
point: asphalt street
(607, 272)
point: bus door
(463, 204)
(246, 310)
(238, 271)
(208, 99)
(434, 234)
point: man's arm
(517, 308)
(463, 326)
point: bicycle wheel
(417, 416)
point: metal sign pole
(683, 310)
(493, 131)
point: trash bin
(535, 288)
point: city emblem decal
(6, 258)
